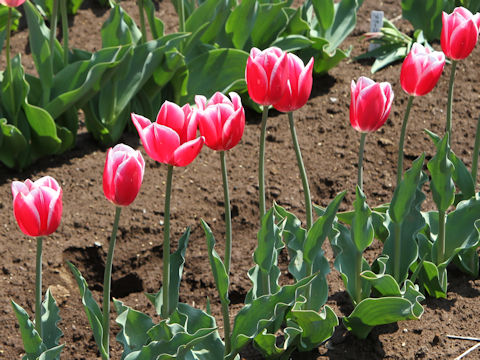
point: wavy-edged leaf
(32, 342)
(361, 228)
(14, 151)
(51, 354)
(50, 319)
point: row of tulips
(417, 246)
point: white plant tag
(376, 24)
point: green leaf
(441, 170)
(226, 69)
(14, 92)
(425, 16)
(119, 29)
(50, 318)
(43, 129)
(51, 354)
(260, 313)
(270, 22)
(14, 150)
(218, 269)
(292, 43)
(343, 23)
(215, 12)
(32, 343)
(325, 13)
(156, 25)
(94, 314)
(362, 228)
(467, 261)
(134, 326)
(241, 21)
(433, 279)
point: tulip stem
(53, 34)
(38, 288)
(360, 160)
(9, 63)
(397, 253)
(63, 13)
(448, 127)
(142, 21)
(303, 173)
(228, 215)
(261, 163)
(402, 140)
(107, 277)
(181, 16)
(476, 149)
(441, 237)
(226, 326)
(166, 246)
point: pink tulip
(266, 75)
(123, 174)
(172, 139)
(459, 33)
(221, 120)
(370, 104)
(299, 85)
(37, 205)
(12, 3)
(421, 70)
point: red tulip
(172, 139)
(459, 33)
(266, 75)
(221, 120)
(370, 104)
(299, 85)
(37, 205)
(12, 3)
(123, 174)
(421, 70)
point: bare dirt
(329, 147)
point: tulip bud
(123, 174)
(221, 120)
(37, 206)
(421, 70)
(370, 104)
(299, 85)
(266, 75)
(172, 139)
(459, 33)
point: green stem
(441, 237)
(226, 327)
(63, 13)
(53, 33)
(228, 215)
(9, 63)
(448, 127)
(358, 278)
(360, 160)
(303, 173)
(402, 140)
(166, 246)
(38, 288)
(261, 163)
(181, 16)
(107, 277)
(397, 252)
(476, 149)
(142, 21)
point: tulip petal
(233, 129)
(127, 181)
(463, 40)
(210, 127)
(257, 82)
(171, 115)
(187, 152)
(26, 214)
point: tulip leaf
(343, 23)
(50, 318)
(32, 342)
(134, 326)
(218, 268)
(361, 228)
(226, 69)
(467, 261)
(433, 279)
(270, 22)
(256, 316)
(441, 170)
(13, 93)
(43, 129)
(240, 23)
(14, 150)
(215, 12)
(293, 43)
(51, 354)
(156, 25)
(119, 29)
(325, 13)
(92, 310)
(427, 18)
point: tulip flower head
(370, 104)
(266, 75)
(172, 139)
(221, 120)
(299, 85)
(123, 174)
(459, 33)
(421, 70)
(37, 206)
(12, 3)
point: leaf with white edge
(51, 354)
(433, 279)
(260, 313)
(50, 319)
(92, 310)
(32, 343)
(134, 326)
(467, 261)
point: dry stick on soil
(468, 351)
(465, 338)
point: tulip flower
(299, 85)
(266, 74)
(37, 207)
(12, 3)
(459, 33)
(421, 70)
(370, 106)
(123, 174)
(172, 139)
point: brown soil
(329, 147)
